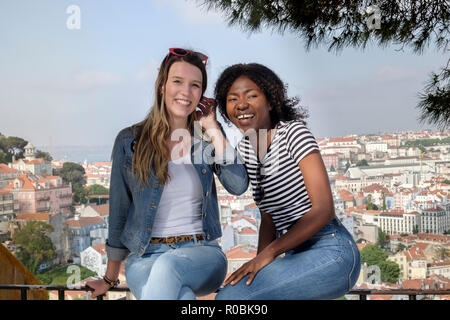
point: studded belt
(174, 239)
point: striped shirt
(277, 182)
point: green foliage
(370, 205)
(347, 165)
(443, 253)
(426, 142)
(374, 255)
(340, 24)
(79, 194)
(44, 155)
(74, 173)
(3, 157)
(382, 238)
(362, 163)
(435, 100)
(10, 146)
(36, 247)
(390, 271)
(57, 275)
(97, 189)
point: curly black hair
(283, 107)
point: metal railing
(61, 289)
(362, 293)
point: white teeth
(245, 116)
(183, 102)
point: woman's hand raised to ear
(207, 113)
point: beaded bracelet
(111, 283)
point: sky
(63, 84)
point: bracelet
(111, 283)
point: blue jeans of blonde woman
(324, 267)
(179, 271)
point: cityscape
(390, 190)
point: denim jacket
(132, 208)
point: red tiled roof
(416, 252)
(102, 209)
(361, 245)
(375, 187)
(247, 230)
(412, 284)
(439, 263)
(35, 161)
(345, 195)
(5, 169)
(33, 216)
(240, 253)
(380, 297)
(5, 191)
(100, 248)
(342, 139)
(84, 221)
(101, 163)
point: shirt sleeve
(119, 204)
(299, 141)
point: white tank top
(180, 208)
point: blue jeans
(179, 271)
(324, 267)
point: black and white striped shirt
(277, 182)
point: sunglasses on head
(180, 52)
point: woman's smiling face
(183, 89)
(247, 106)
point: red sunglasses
(180, 52)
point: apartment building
(398, 221)
(435, 219)
(41, 193)
(7, 174)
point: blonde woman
(164, 217)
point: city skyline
(79, 87)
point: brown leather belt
(174, 239)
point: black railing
(362, 293)
(61, 289)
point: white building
(397, 222)
(435, 220)
(94, 258)
(373, 146)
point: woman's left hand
(251, 267)
(207, 113)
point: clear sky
(63, 86)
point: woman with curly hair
(290, 186)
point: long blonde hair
(151, 153)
